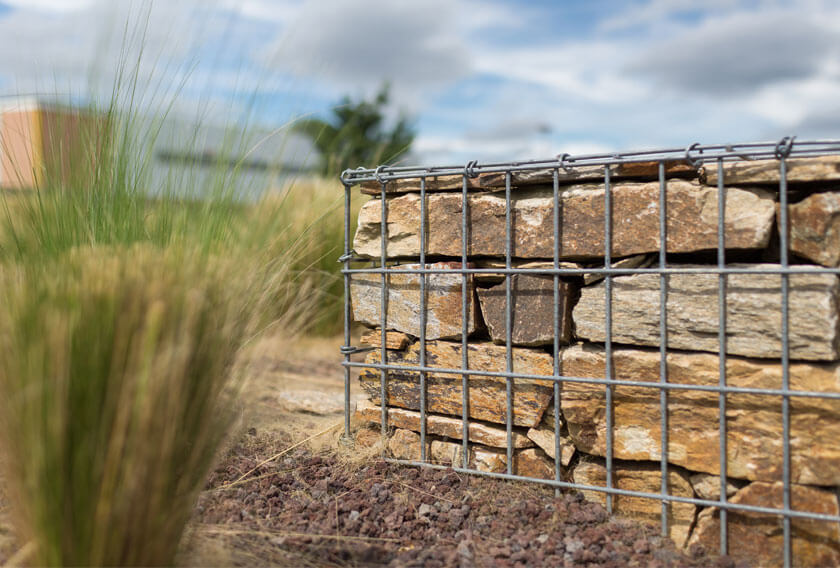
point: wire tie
(345, 257)
(693, 161)
(784, 147)
(469, 169)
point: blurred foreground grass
(125, 304)
(120, 331)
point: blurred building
(46, 143)
(40, 140)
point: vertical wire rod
(783, 245)
(383, 312)
(465, 397)
(663, 347)
(722, 282)
(608, 364)
(508, 328)
(423, 316)
(346, 310)
(556, 306)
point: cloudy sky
(483, 79)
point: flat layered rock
(644, 477)
(531, 311)
(530, 462)
(533, 462)
(545, 439)
(544, 436)
(496, 181)
(815, 228)
(443, 301)
(753, 422)
(447, 426)
(405, 444)
(480, 458)
(433, 183)
(753, 307)
(707, 486)
(691, 224)
(393, 339)
(799, 170)
(757, 540)
(487, 394)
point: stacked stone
(753, 338)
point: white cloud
(360, 45)
(58, 6)
(740, 54)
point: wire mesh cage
(686, 306)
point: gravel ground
(321, 508)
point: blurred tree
(357, 135)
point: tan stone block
(691, 223)
(753, 422)
(566, 175)
(533, 462)
(393, 339)
(753, 308)
(443, 301)
(707, 486)
(815, 228)
(532, 310)
(757, 539)
(487, 394)
(545, 439)
(447, 426)
(799, 170)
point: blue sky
(483, 80)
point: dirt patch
(316, 508)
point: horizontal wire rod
(594, 381)
(696, 154)
(793, 269)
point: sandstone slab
(823, 168)
(531, 310)
(533, 462)
(443, 301)
(433, 183)
(446, 426)
(757, 539)
(815, 228)
(753, 308)
(753, 422)
(530, 462)
(707, 486)
(545, 439)
(393, 339)
(486, 394)
(644, 477)
(570, 174)
(691, 222)
(405, 445)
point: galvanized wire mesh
(696, 154)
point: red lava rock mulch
(317, 509)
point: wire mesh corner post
(466, 256)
